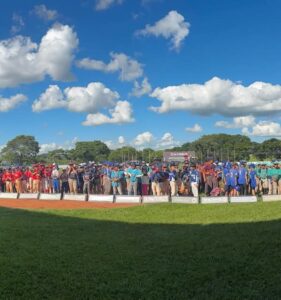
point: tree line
(24, 150)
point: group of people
(211, 178)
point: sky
(145, 73)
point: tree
(269, 149)
(183, 147)
(91, 151)
(22, 150)
(220, 147)
(148, 154)
(59, 156)
(125, 153)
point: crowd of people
(188, 179)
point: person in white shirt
(55, 178)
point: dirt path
(61, 204)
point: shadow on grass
(55, 257)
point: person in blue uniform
(234, 180)
(242, 179)
(194, 178)
(173, 178)
(116, 177)
(106, 182)
(227, 180)
(133, 174)
(253, 179)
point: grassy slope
(147, 252)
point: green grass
(147, 252)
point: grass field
(145, 252)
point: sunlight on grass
(146, 252)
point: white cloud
(52, 98)
(264, 128)
(250, 127)
(141, 89)
(121, 140)
(115, 144)
(120, 114)
(42, 12)
(238, 122)
(77, 99)
(218, 96)
(109, 144)
(18, 23)
(7, 104)
(105, 4)
(196, 128)
(67, 145)
(143, 139)
(45, 148)
(90, 99)
(129, 69)
(172, 27)
(167, 141)
(70, 144)
(22, 61)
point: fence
(142, 199)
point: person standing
(242, 179)
(72, 179)
(64, 182)
(279, 179)
(233, 173)
(263, 180)
(165, 184)
(55, 178)
(36, 180)
(133, 174)
(106, 182)
(253, 180)
(116, 177)
(185, 183)
(8, 180)
(273, 178)
(194, 179)
(29, 183)
(145, 179)
(173, 178)
(2, 185)
(48, 182)
(24, 181)
(227, 180)
(97, 180)
(155, 178)
(87, 181)
(18, 180)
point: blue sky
(68, 72)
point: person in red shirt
(17, 180)
(28, 175)
(47, 187)
(8, 180)
(36, 180)
(2, 188)
(41, 169)
(13, 180)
